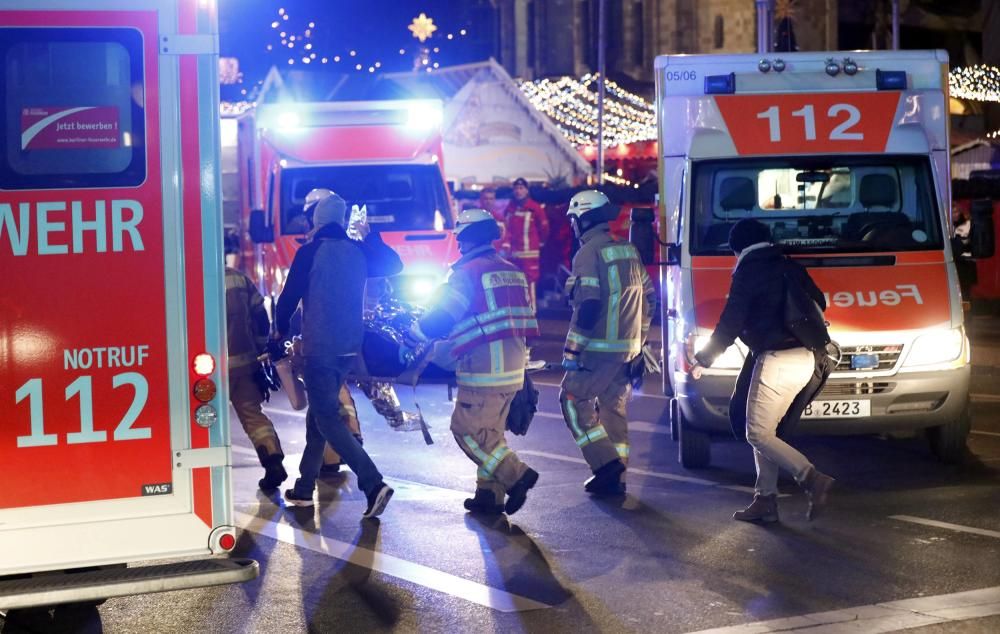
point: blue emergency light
(890, 79)
(720, 84)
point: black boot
(484, 501)
(274, 473)
(518, 494)
(607, 480)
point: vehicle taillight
(205, 415)
(204, 364)
(227, 542)
(204, 390)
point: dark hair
(747, 232)
(489, 189)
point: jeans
(324, 377)
(777, 378)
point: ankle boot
(274, 473)
(764, 508)
(817, 487)
(607, 480)
(484, 501)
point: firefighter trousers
(246, 397)
(594, 403)
(349, 415)
(478, 423)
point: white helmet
(585, 201)
(480, 224)
(316, 195)
(327, 207)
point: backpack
(802, 315)
(523, 408)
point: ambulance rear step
(95, 585)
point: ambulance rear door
(115, 441)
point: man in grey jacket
(328, 276)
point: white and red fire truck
(385, 155)
(845, 157)
(114, 446)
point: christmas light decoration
(572, 105)
(978, 83)
(422, 27)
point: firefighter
(613, 299)
(485, 313)
(247, 326)
(527, 229)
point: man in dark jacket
(328, 276)
(778, 366)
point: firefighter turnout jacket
(246, 321)
(610, 272)
(485, 313)
(526, 230)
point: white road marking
(419, 574)
(890, 616)
(633, 425)
(405, 489)
(634, 395)
(985, 398)
(644, 472)
(287, 412)
(952, 527)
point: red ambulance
(845, 157)
(386, 155)
(114, 446)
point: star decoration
(422, 27)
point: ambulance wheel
(694, 447)
(948, 441)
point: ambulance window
(73, 108)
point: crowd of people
(482, 322)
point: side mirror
(642, 235)
(982, 233)
(260, 230)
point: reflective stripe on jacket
(487, 297)
(611, 272)
(527, 228)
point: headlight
(731, 359)
(420, 287)
(939, 346)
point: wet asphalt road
(667, 558)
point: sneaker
(295, 499)
(377, 501)
(764, 508)
(518, 494)
(485, 502)
(607, 480)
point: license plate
(864, 362)
(838, 409)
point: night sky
(375, 29)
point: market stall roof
(492, 132)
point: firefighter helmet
(587, 200)
(327, 207)
(588, 209)
(476, 225)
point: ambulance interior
(834, 204)
(399, 197)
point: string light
(978, 83)
(422, 28)
(572, 105)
